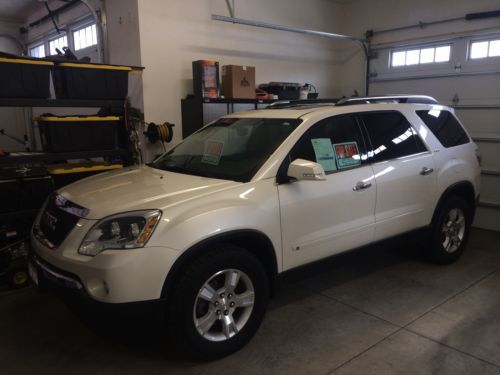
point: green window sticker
(347, 154)
(325, 156)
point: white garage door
(463, 72)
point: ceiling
(17, 10)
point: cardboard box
(238, 82)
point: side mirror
(301, 169)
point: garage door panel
(487, 218)
(476, 83)
(478, 121)
(490, 154)
(471, 90)
(490, 186)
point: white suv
(209, 225)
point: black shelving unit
(36, 157)
(18, 188)
(197, 112)
(83, 103)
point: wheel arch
(464, 189)
(256, 242)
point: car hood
(138, 188)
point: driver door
(322, 218)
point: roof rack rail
(421, 99)
(299, 102)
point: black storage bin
(73, 80)
(24, 78)
(67, 174)
(79, 133)
(24, 194)
(284, 90)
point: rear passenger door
(404, 172)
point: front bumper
(142, 316)
(114, 276)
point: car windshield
(229, 149)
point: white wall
(9, 28)
(174, 33)
(124, 42)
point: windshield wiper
(178, 169)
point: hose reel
(161, 132)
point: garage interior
(380, 310)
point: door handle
(361, 186)
(425, 171)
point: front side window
(445, 127)
(229, 149)
(335, 142)
(391, 136)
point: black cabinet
(198, 112)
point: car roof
(316, 110)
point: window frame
(419, 48)
(485, 58)
(81, 26)
(35, 46)
(67, 31)
(56, 37)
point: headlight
(129, 230)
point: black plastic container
(24, 78)
(79, 133)
(24, 194)
(284, 90)
(74, 80)
(67, 174)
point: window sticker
(347, 154)
(213, 152)
(324, 153)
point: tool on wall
(161, 132)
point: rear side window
(391, 135)
(445, 127)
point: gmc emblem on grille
(50, 220)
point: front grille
(56, 221)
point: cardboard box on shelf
(238, 82)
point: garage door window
(485, 48)
(391, 136)
(445, 127)
(420, 56)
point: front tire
(218, 303)
(450, 231)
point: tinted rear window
(445, 127)
(391, 135)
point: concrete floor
(375, 311)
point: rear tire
(218, 303)
(450, 231)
